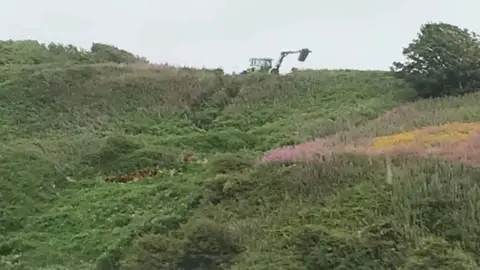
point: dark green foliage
(29, 52)
(378, 247)
(225, 187)
(443, 60)
(154, 252)
(230, 162)
(203, 245)
(210, 246)
(436, 253)
(103, 53)
(110, 260)
(105, 157)
(120, 155)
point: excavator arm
(282, 56)
(303, 55)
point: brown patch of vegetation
(189, 158)
(132, 177)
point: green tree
(109, 53)
(69, 53)
(443, 60)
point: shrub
(205, 245)
(104, 53)
(230, 162)
(210, 246)
(442, 60)
(115, 147)
(155, 252)
(227, 187)
(436, 253)
(34, 52)
(379, 247)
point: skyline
(344, 34)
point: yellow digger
(264, 65)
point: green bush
(121, 155)
(103, 53)
(114, 148)
(436, 253)
(443, 60)
(230, 162)
(155, 251)
(33, 52)
(319, 248)
(227, 187)
(202, 245)
(210, 246)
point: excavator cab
(303, 54)
(261, 63)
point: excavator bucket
(303, 54)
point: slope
(65, 128)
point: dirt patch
(132, 177)
(144, 173)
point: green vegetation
(67, 125)
(442, 61)
(33, 52)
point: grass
(64, 129)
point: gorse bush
(443, 60)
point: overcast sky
(366, 34)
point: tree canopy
(443, 60)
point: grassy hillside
(65, 128)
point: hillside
(136, 166)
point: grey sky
(356, 34)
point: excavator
(264, 65)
